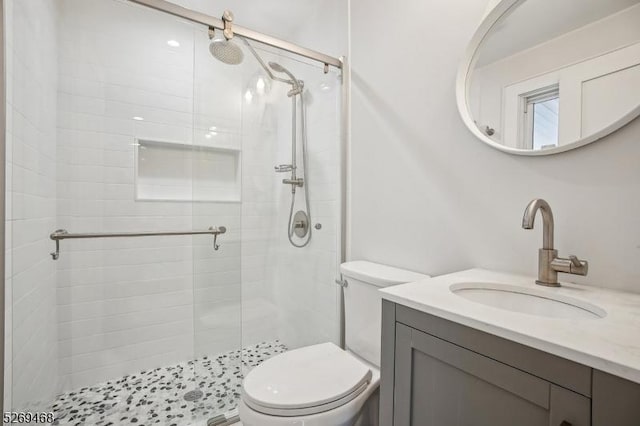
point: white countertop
(610, 344)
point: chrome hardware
(283, 168)
(262, 64)
(300, 224)
(318, 226)
(58, 232)
(549, 264)
(489, 131)
(295, 182)
(217, 232)
(211, 21)
(227, 19)
(298, 87)
(572, 265)
(63, 234)
(342, 283)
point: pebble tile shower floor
(156, 396)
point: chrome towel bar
(63, 234)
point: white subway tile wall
(126, 305)
(30, 315)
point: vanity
(482, 348)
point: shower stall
(174, 207)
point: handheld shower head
(276, 67)
(296, 85)
(279, 68)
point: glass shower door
(217, 197)
(289, 297)
(122, 121)
(258, 295)
(104, 141)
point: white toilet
(323, 385)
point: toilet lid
(317, 376)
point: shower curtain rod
(210, 21)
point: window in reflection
(541, 119)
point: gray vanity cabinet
(436, 372)
(438, 383)
(616, 402)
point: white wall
(30, 355)
(427, 196)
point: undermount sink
(530, 301)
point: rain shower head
(226, 51)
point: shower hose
(303, 124)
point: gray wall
(428, 196)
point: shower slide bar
(212, 22)
(63, 234)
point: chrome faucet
(549, 264)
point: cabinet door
(438, 383)
(616, 401)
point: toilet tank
(363, 304)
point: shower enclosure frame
(3, 147)
(210, 21)
(217, 23)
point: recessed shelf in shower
(177, 171)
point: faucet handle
(578, 267)
(572, 265)
(575, 261)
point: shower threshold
(157, 396)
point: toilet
(323, 385)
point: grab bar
(63, 234)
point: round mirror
(545, 76)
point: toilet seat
(305, 381)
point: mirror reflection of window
(587, 49)
(545, 124)
(540, 120)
